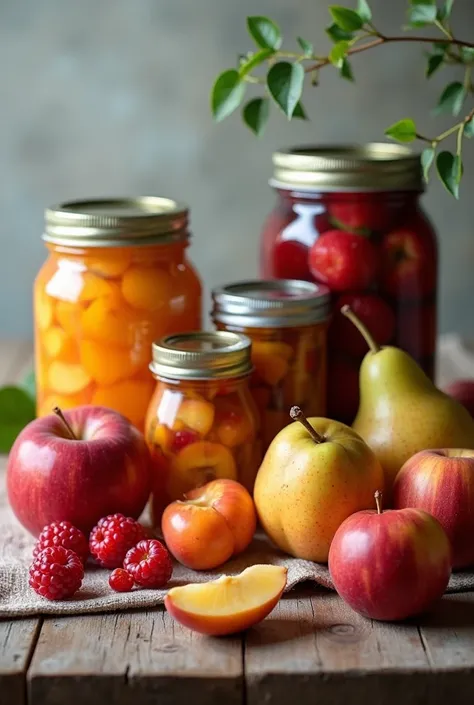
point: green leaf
(449, 168)
(445, 11)
(422, 13)
(285, 83)
(469, 129)
(441, 47)
(251, 61)
(17, 409)
(299, 112)
(364, 11)
(467, 54)
(227, 94)
(452, 99)
(346, 70)
(402, 131)
(265, 33)
(256, 113)
(427, 157)
(346, 19)
(307, 47)
(434, 62)
(337, 34)
(338, 53)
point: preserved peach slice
(68, 316)
(229, 604)
(66, 378)
(198, 463)
(130, 398)
(107, 365)
(43, 310)
(94, 287)
(59, 345)
(233, 426)
(111, 265)
(146, 287)
(271, 348)
(103, 320)
(64, 401)
(271, 370)
(197, 414)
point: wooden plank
(316, 649)
(448, 634)
(134, 658)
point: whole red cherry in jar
(349, 217)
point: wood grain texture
(134, 658)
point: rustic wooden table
(311, 649)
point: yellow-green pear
(314, 475)
(401, 411)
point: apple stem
(297, 415)
(60, 415)
(361, 327)
(378, 501)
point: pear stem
(60, 415)
(297, 415)
(361, 327)
(378, 501)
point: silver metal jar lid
(202, 355)
(116, 222)
(275, 303)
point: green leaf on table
(265, 33)
(17, 409)
(427, 158)
(452, 99)
(467, 54)
(434, 62)
(445, 11)
(337, 53)
(336, 34)
(469, 129)
(449, 168)
(364, 11)
(285, 83)
(346, 19)
(402, 131)
(256, 114)
(307, 47)
(249, 62)
(346, 69)
(227, 94)
(422, 13)
(299, 112)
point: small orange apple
(229, 604)
(213, 523)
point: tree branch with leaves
(281, 76)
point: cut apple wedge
(229, 604)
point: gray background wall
(104, 97)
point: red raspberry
(149, 563)
(62, 533)
(56, 573)
(120, 580)
(113, 536)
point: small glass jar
(370, 192)
(201, 423)
(287, 323)
(117, 277)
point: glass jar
(287, 323)
(117, 277)
(390, 279)
(201, 423)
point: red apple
(463, 391)
(409, 261)
(290, 260)
(390, 565)
(360, 212)
(373, 311)
(442, 483)
(344, 261)
(53, 476)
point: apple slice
(229, 604)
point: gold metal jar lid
(371, 167)
(116, 222)
(202, 355)
(278, 303)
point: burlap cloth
(95, 595)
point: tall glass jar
(201, 423)
(116, 278)
(350, 218)
(287, 323)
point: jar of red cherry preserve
(350, 218)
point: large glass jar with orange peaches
(287, 323)
(117, 277)
(202, 423)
